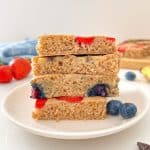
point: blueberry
(113, 107)
(98, 90)
(37, 91)
(128, 110)
(130, 76)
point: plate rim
(72, 135)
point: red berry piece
(40, 103)
(110, 39)
(71, 99)
(84, 40)
(121, 49)
(21, 67)
(5, 74)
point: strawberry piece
(71, 99)
(5, 74)
(85, 40)
(20, 68)
(110, 39)
(40, 103)
(121, 49)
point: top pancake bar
(52, 45)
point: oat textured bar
(52, 45)
(55, 85)
(88, 109)
(70, 64)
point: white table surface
(15, 138)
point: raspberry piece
(110, 39)
(71, 99)
(40, 103)
(85, 40)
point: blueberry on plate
(113, 107)
(128, 110)
(130, 76)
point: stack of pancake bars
(73, 76)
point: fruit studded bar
(135, 48)
(88, 108)
(52, 45)
(56, 85)
(70, 64)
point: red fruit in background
(72, 99)
(40, 103)
(5, 74)
(21, 67)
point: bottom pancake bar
(89, 108)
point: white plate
(17, 107)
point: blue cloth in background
(25, 49)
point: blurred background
(22, 19)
